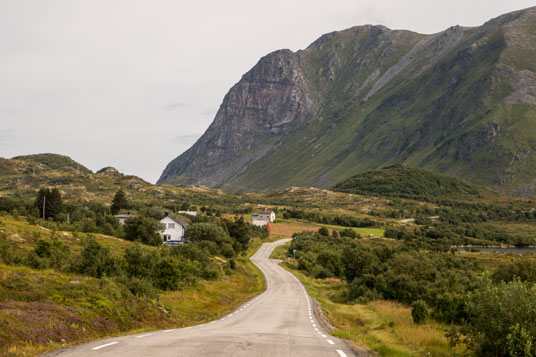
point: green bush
(419, 311)
(500, 320)
(167, 274)
(323, 231)
(95, 260)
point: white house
(174, 230)
(123, 217)
(263, 217)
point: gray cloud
(175, 106)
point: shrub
(167, 274)
(95, 260)
(139, 286)
(324, 232)
(419, 311)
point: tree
(50, 201)
(119, 202)
(144, 230)
(240, 231)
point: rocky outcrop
(269, 99)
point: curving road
(279, 322)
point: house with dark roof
(173, 232)
(263, 217)
(123, 217)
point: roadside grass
(41, 310)
(209, 300)
(386, 327)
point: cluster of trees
(143, 271)
(494, 313)
(49, 203)
(319, 217)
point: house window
(171, 225)
(166, 237)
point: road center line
(341, 353)
(106, 345)
(330, 342)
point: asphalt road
(279, 322)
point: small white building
(189, 213)
(123, 217)
(263, 217)
(174, 230)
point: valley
(55, 262)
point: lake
(501, 250)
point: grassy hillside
(47, 308)
(409, 182)
(53, 162)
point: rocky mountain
(460, 102)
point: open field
(288, 228)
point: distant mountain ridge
(461, 102)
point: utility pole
(44, 199)
(68, 218)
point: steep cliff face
(461, 102)
(271, 98)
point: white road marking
(169, 330)
(324, 336)
(316, 329)
(341, 353)
(314, 325)
(331, 342)
(141, 336)
(106, 345)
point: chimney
(166, 214)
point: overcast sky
(132, 84)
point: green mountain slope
(460, 102)
(53, 162)
(408, 182)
